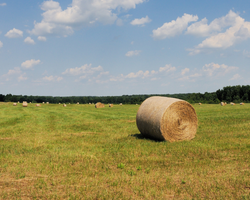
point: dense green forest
(227, 94)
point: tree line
(234, 94)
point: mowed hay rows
(99, 105)
(166, 118)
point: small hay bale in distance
(14, 104)
(120, 104)
(200, 103)
(77, 103)
(43, 102)
(111, 105)
(222, 103)
(47, 102)
(25, 104)
(38, 105)
(99, 105)
(242, 103)
(64, 105)
(165, 118)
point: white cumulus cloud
(29, 64)
(141, 21)
(133, 53)
(52, 78)
(28, 40)
(83, 70)
(42, 38)
(80, 13)
(3, 4)
(202, 28)
(1, 44)
(213, 69)
(235, 77)
(184, 71)
(237, 31)
(167, 68)
(175, 27)
(14, 33)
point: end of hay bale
(164, 118)
(64, 105)
(47, 102)
(111, 105)
(200, 103)
(38, 105)
(99, 105)
(120, 104)
(242, 103)
(14, 104)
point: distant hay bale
(43, 102)
(47, 102)
(14, 104)
(77, 103)
(89, 103)
(18, 102)
(38, 105)
(64, 105)
(59, 103)
(111, 105)
(25, 104)
(120, 104)
(242, 103)
(30, 102)
(165, 118)
(99, 105)
(200, 103)
(222, 103)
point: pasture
(80, 152)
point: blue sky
(116, 47)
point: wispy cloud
(29, 64)
(133, 53)
(141, 21)
(14, 33)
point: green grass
(79, 152)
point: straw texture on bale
(242, 103)
(64, 105)
(166, 118)
(47, 102)
(14, 104)
(222, 103)
(38, 105)
(111, 105)
(99, 105)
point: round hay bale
(59, 103)
(165, 118)
(222, 103)
(99, 105)
(25, 104)
(43, 102)
(47, 102)
(14, 104)
(242, 103)
(120, 104)
(200, 103)
(77, 103)
(18, 102)
(64, 105)
(38, 105)
(111, 105)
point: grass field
(79, 152)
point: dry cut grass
(79, 152)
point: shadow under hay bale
(164, 118)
